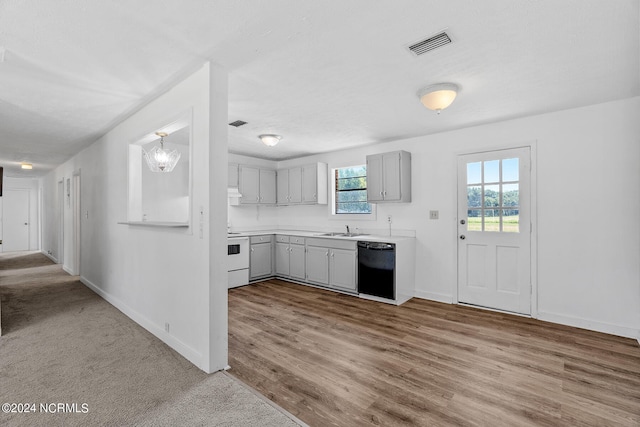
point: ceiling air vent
(237, 123)
(423, 46)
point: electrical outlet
(433, 214)
(389, 219)
(166, 327)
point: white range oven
(238, 260)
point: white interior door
(15, 220)
(494, 230)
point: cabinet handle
(257, 198)
(332, 254)
(327, 254)
(251, 249)
(381, 194)
(385, 193)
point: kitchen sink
(342, 234)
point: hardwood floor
(333, 359)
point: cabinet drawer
(282, 239)
(267, 238)
(296, 240)
(332, 243)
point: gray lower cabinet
(332, 263)
(342, 269)
(290, 257)
(318, 265)
(260, 257)
(283, 265)
(297, 268)
(326, 262)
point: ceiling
(326, 75)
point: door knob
(26, 223)
(462, 237)
(462, 221)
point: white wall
(156, 275)
(588, 199)
(30, 184)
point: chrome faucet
(348, 232)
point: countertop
(321, 235)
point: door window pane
(510, 221)
(492, 220)
(474, 173)
(510, 195)
(474, 196)
(474, 219)
(491, 196)
(492, 171)
(510, 170)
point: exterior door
(15, 220)
(494, 230)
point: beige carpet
(62, 343)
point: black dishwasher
(376, 269)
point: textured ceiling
(326, 75)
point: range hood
(234, 196)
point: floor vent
(427, 45)
(237, 123)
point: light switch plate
(433, 214)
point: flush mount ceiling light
(269, 139)
(160, 160)
(28, 166)
(438, 97)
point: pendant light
(160, 160)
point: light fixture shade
(161, 160)
(438, 97)
(269, 139)
(28, 166)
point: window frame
(333, 205)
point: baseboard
(188, 352)
(49, 256)
(68, 270)
(578, 322)
(434, 296)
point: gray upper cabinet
(303, 185)
(289, 186)
(257, 186)
(389, 177)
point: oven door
(237, 253)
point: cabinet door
(282, 259)
(295, 185)
(260, 260)
(310, 184)
(282, 184)
(317, 264)
(374, 178)
(297, 262)
(267, 186)
(391, 176)
(342, 268)
(248, 183)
